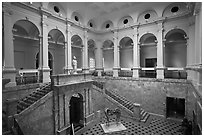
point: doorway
(175, 107)
(150, 63)
(76, 111)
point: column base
(68, 70)
(10, 73)
(45, 75)
(135, 72)
(99, 70)
(115, 72)
(160, 74)
(85, 70)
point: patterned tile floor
(156, 126)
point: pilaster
(99, 57)
(116, 66)
(85, 53)
(160, 48)
(8, 70)
(135, 54)
(43, 65)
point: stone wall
(38, 120)
(152, 93)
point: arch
(108, 58)
(175, 48)
(76, 110)
(56, 35)
(182, 8)
(26, 41)
(77, 46)
(56, 41)
(29, 28)
(106, 26)
(126, 20)
(148, 54)
(126, 52)
(91, 53)
(147, 32)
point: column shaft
(85, 54)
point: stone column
(8, 70)
(43, 65)
(136, 54)
(160, 65)
(68, 50)
(85, 53)
(99, 57)
(116, 66)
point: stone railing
(65, 79)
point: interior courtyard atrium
(101, 68)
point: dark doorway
(150, 63)
(175, 107)
(76, 111)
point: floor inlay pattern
(157, 126)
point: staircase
(123, 101)
(33, 97)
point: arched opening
(108, 57)
(126, 56)
(50, 62)
(76, 115)
(56, 46)
(175, 54)
(26, 45)
(77, 47)
(148, 55)
(91, 54)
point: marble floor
(154, 126)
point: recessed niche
(56, 9)
(91, 25)
(125, 21)
(76, 18)
(174, 9)
(147, 16)
(107, 26)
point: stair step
(36, 96)
(40, 93)
(145, 118)
(32, 98)
(29, 101)
(7, 133)
(22, 103)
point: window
(56, 9)
(174, 9)
(107, 26)
(125, 21)
(147, 16)
(76, 18)
(91, 25)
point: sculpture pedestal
(113, 127)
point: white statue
(74, 62)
